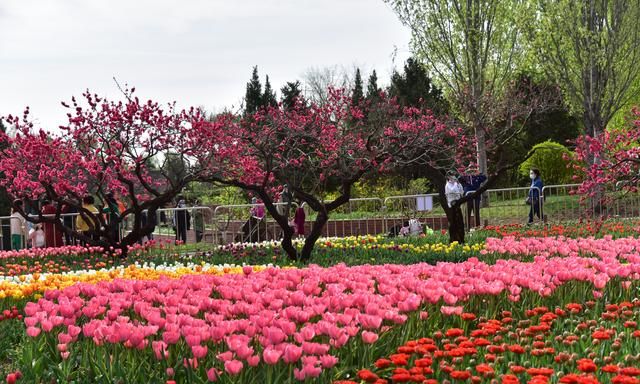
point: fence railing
(361, 216)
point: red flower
(481, 342)
(424, 362)
(367, 375)
(484, 368)
(510, 379)
(454, 332)
(517, 369)
(586, 365)
(574, 307)
(382, 363)
(601, 335)
(401, 377)
(460, 375)
(630, 324)
(622, 379)
(515, 348)
(540, 371)
(610, 368)
(570, 378)
(630, 371)
(468, 316)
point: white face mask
(532, 175)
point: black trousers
(181, 233)
(473, 206)
(536, 209)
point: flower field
(507, 306)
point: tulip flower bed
(614, 228)
(572, 344)
(315, 324)
(33, 286)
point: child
(37, 237)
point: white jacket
(18, 224)
(453, 191)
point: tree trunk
(287, 244)
(314, 235)
(456, 224)
(593, 128)
(481, 156)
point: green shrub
(550, 158)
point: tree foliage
(472, 47)
(413, 87)
(106, 147)
(592, 49)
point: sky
(194, 52)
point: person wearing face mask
(535, 198)
(453, 189)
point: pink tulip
(33, 331)
(271, 356)
(212, 374)
(369, 337)
(233, 367)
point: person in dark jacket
(181, 221)
(471, 182)
(535, 195)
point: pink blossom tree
(311, 148)
(616, 165)
(106, 147)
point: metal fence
(251, 223)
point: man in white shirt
(18, 227)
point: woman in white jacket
(453, 189)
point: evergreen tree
(373, 92)
(290, 93)
(414, 88)
(357, 94)
(269, 95)
(253, 97)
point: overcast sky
(196, 52)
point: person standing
(453, 190)
(299, 220)
(198, 224)
(18, 225)
(535, 195)
(113, 216)
(471, 182)
(149, 219)
(86, 226)
(181, 220)
(53, 234)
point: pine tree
(269, 96)
(290, 93)
(357, 95)
(373, 92)
(253, 97)
(414, 88)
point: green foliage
(591, 48)
(415, 88)
(290, 93)
(253, 96)
(373, 92)
(357, 95)
(549, 158)
(269, 95)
